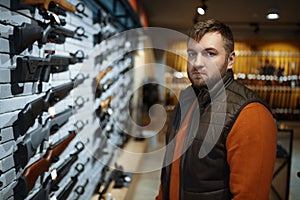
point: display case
(280, 187)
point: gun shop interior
(88, 88)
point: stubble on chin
(197, 82)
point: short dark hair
(199, 29)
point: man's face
(207, 60)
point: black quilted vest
(204, 174)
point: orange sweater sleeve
(251, 153)
(159, 196)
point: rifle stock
(64, 194)
(25, 35)
(27, 116)
(31, 173)
(50, 184)
(31, 69)
(27, 148)
(59, 34)
(45, 4)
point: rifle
(25, 35)
(113, 176)
(117, 179)
(72, 182)
(57, 6)
(45, 4)
(31, 69)
(98, 79)
(103, 174)
(99, 37)
(31, 173)
(80, 189)
(102, 88)
(27, 148)
(27, 116)
(51, 183)
(104, 104)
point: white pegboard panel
(7, 119)
(60, 77)
(16, 103)
(7, 178)
(6, 30)
(83, 45)
(76, 69)
(8, 91)
(4, 75)
(86, 44)
(8, 192)
(88, 133)
(4, 45)
(6, 134)
(7, 148)
(11, 17)
(6, 164)
(5, 3)
(85, 91)
(9, 4)
(5, 51)
(89, 28)
(58, 48)
(23, 89)
(84, 116)
(7, 61)
(63, 104)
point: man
(221, 137)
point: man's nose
(199, 60)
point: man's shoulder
(239, 89)
(239, 96)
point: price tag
(53, 174)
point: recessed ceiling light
(273, 14)
(201, 9)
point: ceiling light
(201, 9)
(273, 14)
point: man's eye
(192, 54)
(209, 54)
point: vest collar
(204, 94)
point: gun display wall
(57, 132)
(271, 69)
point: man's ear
(231, 60)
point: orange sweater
(251, 153)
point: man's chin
(198, 83)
